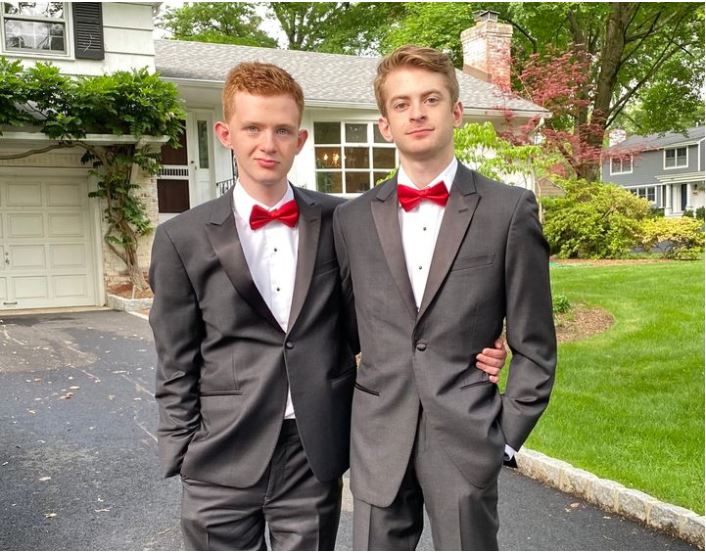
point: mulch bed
(125, 291)
(582, 322)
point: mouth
(419, 132)
(266, 163)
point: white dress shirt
(271, 254)
(420, 230)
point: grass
(628, 404)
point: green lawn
(628, 404)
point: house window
(620, 166)
(676, 158)
(647, 192)
(34, 27)
(351, 157)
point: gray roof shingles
(659, 140)
(331, 78)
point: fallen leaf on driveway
(101, 510)
(45, 478)
(74, 387)
(67, 395)
(49, 515)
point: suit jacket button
(289, 345)
(421, 346)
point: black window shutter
(88, 30)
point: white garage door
(46, 254)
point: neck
(422, 171)
(267, 194)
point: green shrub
(593, 220)
(673, 237)
(560, 304)
(699, 213)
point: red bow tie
(287, 214)
(410, 197)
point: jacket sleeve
(530, 324)
(350, 324)
(177, 325)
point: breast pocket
(472, 261)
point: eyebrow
(406, 96)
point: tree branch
(28, 153)
(622, 101)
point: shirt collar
(447, 175)
(244, 202)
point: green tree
(222, 22)
(434, 24)
(641, 54)
(335, 27)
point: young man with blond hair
(437, 259)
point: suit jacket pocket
(475, 377)
(209, 393)
(472, 261)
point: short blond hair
(415, 56)
(261, 79)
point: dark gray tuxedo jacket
(490, 265)
(223, 361)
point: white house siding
(127, 39)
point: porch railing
(223, 186)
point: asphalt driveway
(78, 456)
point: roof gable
(325, 78)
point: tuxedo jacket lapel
(223, 235)
(459, 211)
(384, 209)
(309, 229)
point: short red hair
(260, 79)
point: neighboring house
(666, 169)
(51, 234)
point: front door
(199, 130)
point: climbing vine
(135, 104)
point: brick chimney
(486, 49)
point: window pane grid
(355, 162)
(34, 26)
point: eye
(433, 100)
(399, 106)
(283, 132)
(251, 129)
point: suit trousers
(463, 517)
(301, 513)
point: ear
(301, 138)
(384, 126)
(223, 133)
(458, 114)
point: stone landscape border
(613, 497)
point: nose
(416, 112)
(268, 142)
